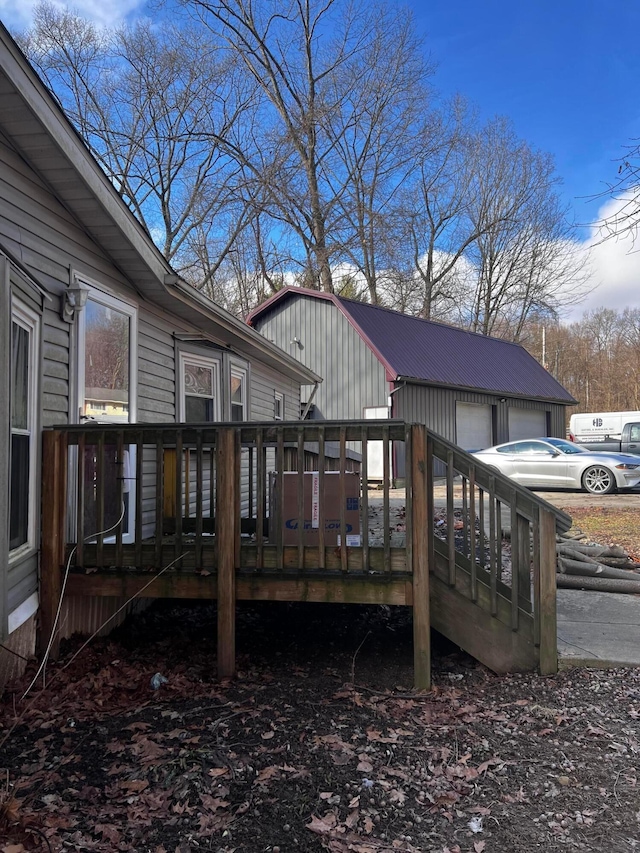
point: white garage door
(473, 426)
(527, 423)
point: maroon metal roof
(445, 355)
(437, 354)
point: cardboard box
(312, 501)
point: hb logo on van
(597, 422)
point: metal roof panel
(445, 355)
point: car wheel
(598, 480)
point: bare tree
(597, 358)
(378, 132)
(625, 189)
(334, 93)
(261, 144)
(525, 257)
(146, 100)
(436, 208)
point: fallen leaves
(291, 756)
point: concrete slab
(598, 629)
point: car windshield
(565, 446)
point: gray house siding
(42, 233)
(36, 229)
(55, 368)
(264, 385)
(156, 369)
(330, 346)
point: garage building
(472, 389)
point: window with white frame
(278, 406)
(238, 392)
(200, 401)
(107, 334)
(23, 390)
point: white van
(600, 425)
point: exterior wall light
(73, 300)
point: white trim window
(200, 382)
(25, 329)
(107, 363)
(238, 385)
(278, 406)
(107, 370)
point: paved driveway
(564, 499)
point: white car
(554, 463)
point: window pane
(19, 377)
(107, 349)
(198, 410)
(236, 389)
(19, 498)
(198, 380)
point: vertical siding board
(436, 407)
(331, 347)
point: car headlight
(624, 466)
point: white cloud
(615, 265)
(18, 15)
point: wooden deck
(236, 511)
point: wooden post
(54, 507)
(547, 601)
(420, 525)
(226, 508)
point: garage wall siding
(436, 407)
(353, 378)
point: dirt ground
(318, 744)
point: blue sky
(565, 72)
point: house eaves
(233, 332)
(43, 136)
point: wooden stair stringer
(485, 637)
(472, 626)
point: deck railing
(248, 510)
(495, 542)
